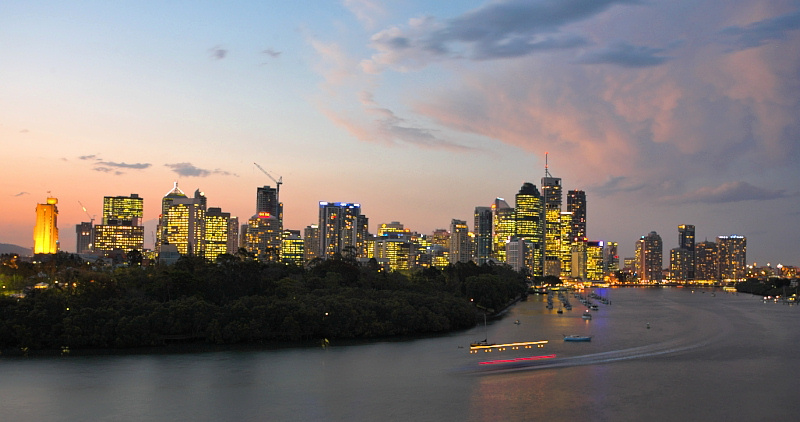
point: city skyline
(664, 114)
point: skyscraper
(576, 204)
(611, 259)
(311, 242)
(342, 230)
(121, 228)
(85, 237)
(483, 235)
(686, 241)
(182, 222)
(732, 257)
(649, 258)
(264, 237)
(504, 227)
(45, 232)
(217, 233)
(551, 197)
(529, 224)
(460, 248)
(565, 257)
(706, 262)
(292, 248)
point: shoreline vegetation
(197, 305)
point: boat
(586, 315)
(577, 338)
(560, 311)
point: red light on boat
(492, 362)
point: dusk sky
(664, 112)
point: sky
(663, 112)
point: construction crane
(91, 217)
(277, 182)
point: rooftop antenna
(546, 171)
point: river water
(706, 356)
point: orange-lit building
(45, 233)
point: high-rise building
(519, 254)
(594, 260)
(45, 232)
(85, 237)
(504, 227)
(267, 201)
(122, 228)
(732, 257)
(565, 257)
(551, 197)
(460, 240)
(264, 237)
(649, 258)
(311, 242)
(217, 234)
(611, 258)
(579, 258)
(679, 262)
(686, 241)
(706, 262)
(233, 235)
(529, 224)
(342, 230)
(182, 222)
(292, 248)
(483, 235)
(576, 204)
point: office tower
(233, 235)
(686, 241)
(440, 248)
(576, 204)
(519, 254)
(460, 249)
(706, 262)
(504, 227)
(529, 224)
(267, 201)
(611, 258)
(45, 232)
(85, 238)
(483, 235)
(217, 234)
(731, 257)
(579, 258)
(565, 256)
(679, 262)
(342, 230)
(594, 260)
(292, 248)
(649, 257)
(551, 197)
(311, 242)
(182, 222)
(395, 227)
(393, 251)
(264, 237)
(121, 228)
(243, 236)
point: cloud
(727, 192)
(217, 52)
(618, 184)
(366, 11)
(189, 170)
(500, 29)
(625, 55)
(24, 131)
(88, 157)
(759, 33)
(272, 53)
(137, 166)
(21, 194)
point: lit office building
(311, 243)
(84, 233)
(649, 258)
(594, 260)
(343, 230)
(264, 237)
(394, 250)
(122, 228)
(292, 248)
(686, 241)
(182, 222)
(706, 262)
(504, 227)
(394, 227)
(460, 242)
(679, 262)
(579, 258)
(45, 232)
(483, 235)
(576, 204)
(217, 234)
(529, 224)
(565, 257)
(552, 197)
(611, 258)
(731, 257)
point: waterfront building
(182, 222)
(519, 254)
(460, 242)
(292, 248)
(121, 228)
(611, 258)
(576, 204)
(649, 258)
(565, 257)
(552, 198)
(706, 262)
(679, 264)
(503, 227)
(45, 232)
(343, 230)
(529, 224)
(483, 235)
(579, 259)
(84, 233)
(686, 241)
(594, 260)
(731, 257)
(217, 234)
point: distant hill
(9, 248)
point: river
(710, 356)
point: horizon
(419, 112)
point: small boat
(516, 322)
(560, 311)
(586, 315)
(577, 338)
